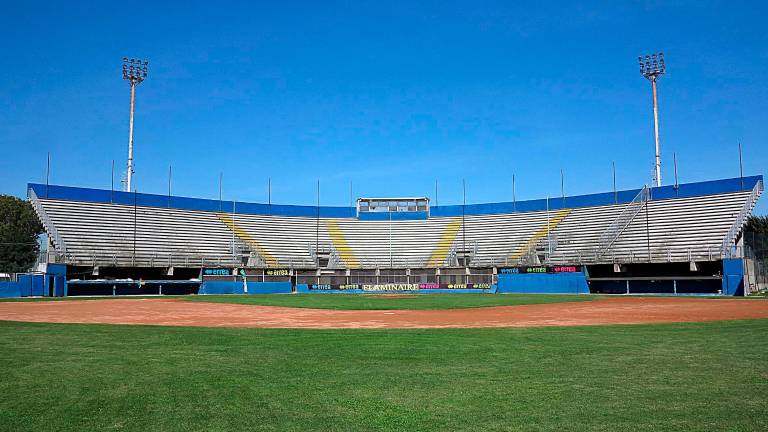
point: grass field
(380, 302)
(711, 376)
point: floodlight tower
(135, 71)
(652, 67)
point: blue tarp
(10, 289)
(28, 285)
(546, 283)
(236, 287)
(492, 290)
(733, 277)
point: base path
(173, 312)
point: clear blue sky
(390, 95)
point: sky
(390, 96)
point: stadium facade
(681, 239)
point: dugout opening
(679, 278)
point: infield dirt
(176, 312)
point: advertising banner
(541, 270)
(396, 287)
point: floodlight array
(134, 70)
(651, 66)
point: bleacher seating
(676, 227)
(689, 228)
(98, 233)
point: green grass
(378, 302)
(679, 377)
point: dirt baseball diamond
(176, 312)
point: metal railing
(661, 254)
(452, 258)
(334, 259)
(58, 243)
(728, 247)
(617, 227)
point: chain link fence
(756, 255)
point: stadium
(528, 304)
(680, 239)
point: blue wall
(10, 289)
(236, 287)
(549, 283)
(34, 284)
(385, 216)
(733, 277)
(269, 287)
(303, 289)
(59, 273)
(151, 200)
(31, 285)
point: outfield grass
(381, 302)
(58, 377)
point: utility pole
(615, 194)
(221, 186)
(514, 194)
(652, 67)
(741, 168)
(562, 186)
(674, 161)
(317, 227)
(47, 174)
(134, 71)
(170, 178)
(112, 184)
(463, 223)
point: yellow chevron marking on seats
(247, 239)
(341, 245)
(554, 221)
(444, 244)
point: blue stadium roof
(69, 193)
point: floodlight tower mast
(134, 71)
(652, 67)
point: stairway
(539, 238)
(340, 244)
(443, 247)
(246, 238)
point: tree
(756, 233)
(19, 230)
(757, 224)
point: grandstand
(609, 238)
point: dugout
(677, 278)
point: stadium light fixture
(652, 67)
(134, 71)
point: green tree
(19, 230)
(758, 224)
(756, 233)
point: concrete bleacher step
(127, 234)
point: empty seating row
(118, 234)
(97, 233)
